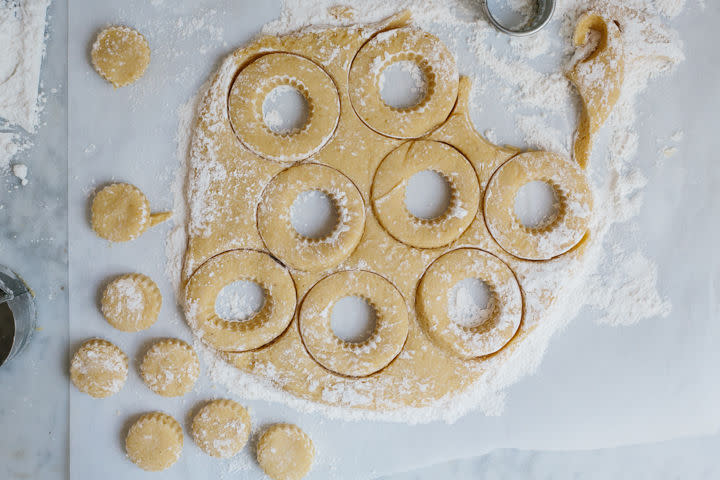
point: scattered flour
(544, 107)
(20, 170)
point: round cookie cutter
(17, 314)
(543, 13)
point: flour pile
(525, 78)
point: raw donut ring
(549, 240)
(431, 56)
(433, 298)
(354, 359)
(257, 80)
(266, 325)
(281, 238)
(390, 182)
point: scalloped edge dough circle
(154, 442)
(564, 232)
(120, 55)
(346, 358)
(432, 302)
(431, 56)
(221, 428)
(256, 80)
(223, 269)
(120, 212)
(390, 182)
(99, 368)
(285, 452)
(281, 238)
(131, 302)
(170, 368)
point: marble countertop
(35, 399)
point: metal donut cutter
(543, 13)
(17, 314)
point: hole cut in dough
(221, 428)
(285, 452)
(99, 368)
(353, 319)
(170, 368)
(314, 214)
(574, 200)
(435, 291)
(346, 358)
(154, 442)
(248, 265)
(537, 205)
(120, 55)
(428, 195)
(403, 85)
(471, 302)
(240, 301)
(252, 86)
(286, 110)
(131, 303)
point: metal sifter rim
(544, 13)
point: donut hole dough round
(221, 428)
(170, 368)
(121, 212)
(349, 358)
(431, 56)
(250, 90)
(120, 55)
(435, 296)
(99, 368)
(131, 303)
(551, 239)
(267, 324)
(154, 442)
(275, 224)
(389, 192)
(285, 452)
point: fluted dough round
(390, 183)
(506, 302)
(121, 212)
(550, 240)
(347, 358)
(131, 303)
(221, 428)
(430, 55)
(285, 452)
(267, 324)
(170, 368)
(257, 80)
(120, 55)
(278, 233)
(99, 368)
(154, 442)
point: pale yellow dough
(131, 302)
(235, 212)
(120, 212)
(280, 236)
(154, 442)
(120, 55)
(221, 428)
(170, 368)
(285, 452)
(99, 368)
(266, 325)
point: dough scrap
(120, 212)
(154, 442)
(221, 428)
(170, 368)
(131, 303)
(434, 60)
(346, 358)
(263, 327)
(560, 235)
(281, 238)
(262, 76)
(120, 55)
(285, 452)
(390, 182)
(506, 303)
(598, 78)
(99, 368)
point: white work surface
(598, 386)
